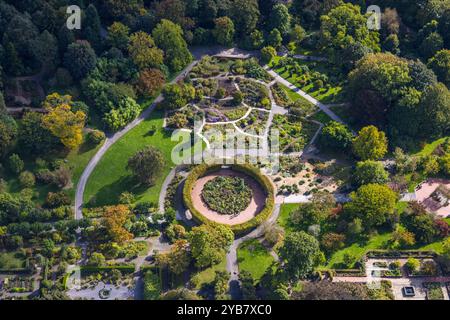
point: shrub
(57, 199)
(27, 179)
(95, 137)
(16, 163)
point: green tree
(126, 111)
(343, 26)
(298, 34)
(370, 171)
(336, 136)
(431, 44)
(147, 165)
(169, 37)
(224, 31)
(300, 254)
(267, 54)
(370, 144)
(374, 204)
(209, 243)
(15, 163)
(274, 39)
(245, 15)
(8, 133)
(80, 59)
(440, 64)
(34, 138)
(118, 35)
(143, 51)
(280, 19)
(435, 111)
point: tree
(374, 204)
(45, 50)
(412, 265)
(370, 144)
(62, 122)
(221, 288)
(245, 15)
(177, 95)
(16, 164)
(298, 34)
(267, 54)
(169, 37)
(247, 285)
(336, 136)
(118, 35)
(147, 165)
(177, 259)
(332, 241)
(440, 64)
(370, 171)
(435, 111)
(80, 59)
(27, 179)
(33, 136)
(418, 221)
(280, 19)
(97, 259)
(144, 52)
(431, 44)
(114, 219)
(8, 133)
(224, 31)
(376, 84)
(123, 114)
(92, 27)
(209, 243)
(300, 254)
(150, 82)
(343, 26)
(274, 39)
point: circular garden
(237, 195)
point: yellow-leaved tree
(62, 121)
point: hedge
(86, 270)
(239, 229)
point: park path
(232, 264)
(325, 108)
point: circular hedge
(204, 169)
(227, 195)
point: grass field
(12, 260)
(254, 258)
(283, 218)
(207, 276)
(111, 177)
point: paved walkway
(314, 101)
(231, 258)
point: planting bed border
(238, 229)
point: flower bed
(227, 195)
(253, 172)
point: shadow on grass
(109, 195)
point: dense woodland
(63, 91)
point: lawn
(207, 276)
(357, 250)
(254, 258)
(285, 211)
(78, 160)
(111, 177)
(12, 260)
(321, 117)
